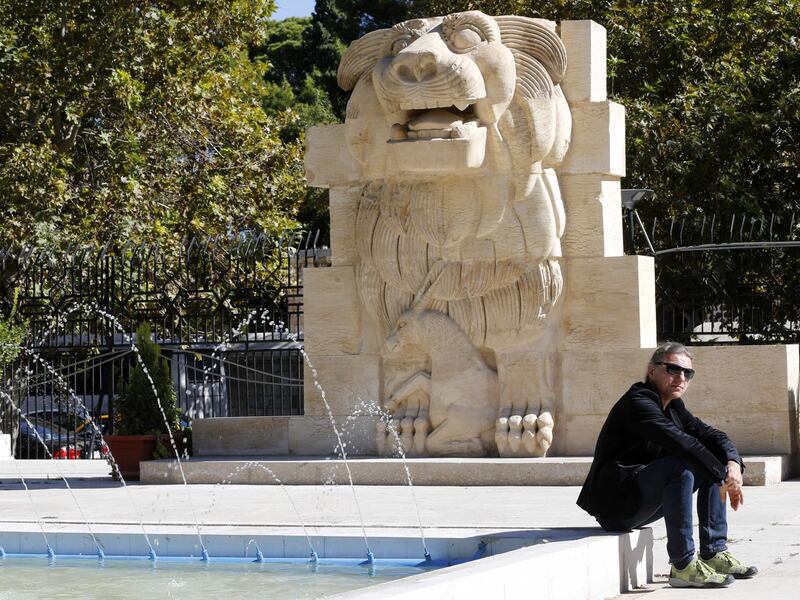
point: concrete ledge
(565, 471)
(766, 470)
(594, 568)
(30, 469)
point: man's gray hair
(666, 348)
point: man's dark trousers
(666, 486)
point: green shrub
(136, 411)
(12, 335)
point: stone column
(336, 331)
(608, 325)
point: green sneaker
(724, 562)
(699, 575)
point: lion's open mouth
(452, 122)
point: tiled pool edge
(563, 563)
(593, 568)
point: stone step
(555, 471)
(17, 469)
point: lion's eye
(400, 44)
(466, 38)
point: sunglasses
(674, 369)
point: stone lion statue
(457, 123)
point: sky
(293, 8)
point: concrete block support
(332, 318)
(594, 380)
(343, 203)
(609, 302)
(240, 436)
(750, 392)
(598, 139)
(349, 382)
(593, 207)
(585, 80)
(327, 161)
(314, 436)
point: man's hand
(732, 486)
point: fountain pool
(38, 577)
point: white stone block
(585, 79)
(594, 379)
(240, 436)
(331, 313)
(315, 436)
(750, 392)
(594, 215)
(327, 160)
(746, 391)
(598, 139)
(343, 206)
(609, 302)
(349, 382)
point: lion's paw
(519, 436)
(405, 436)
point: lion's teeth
(399, 132)
(430, 134)
(462, 106)
(458, 131)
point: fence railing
(226, 312)
(724, 279)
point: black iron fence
(732, 279)
(227, 314)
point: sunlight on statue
(458, 124)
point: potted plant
(140, 426)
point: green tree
(137, 122)
(136, 411)
(297, 99)
(12, 334)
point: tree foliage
(12, 335)
(127, 121)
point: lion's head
(464, 93)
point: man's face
(670, 386)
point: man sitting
(652, 454)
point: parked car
(37, 438)
(82, 431)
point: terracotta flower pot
(130, 450)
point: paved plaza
(765, 532)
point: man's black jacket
(637, 432)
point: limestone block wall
(339, 344)
(751, 393)
(608, 320)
